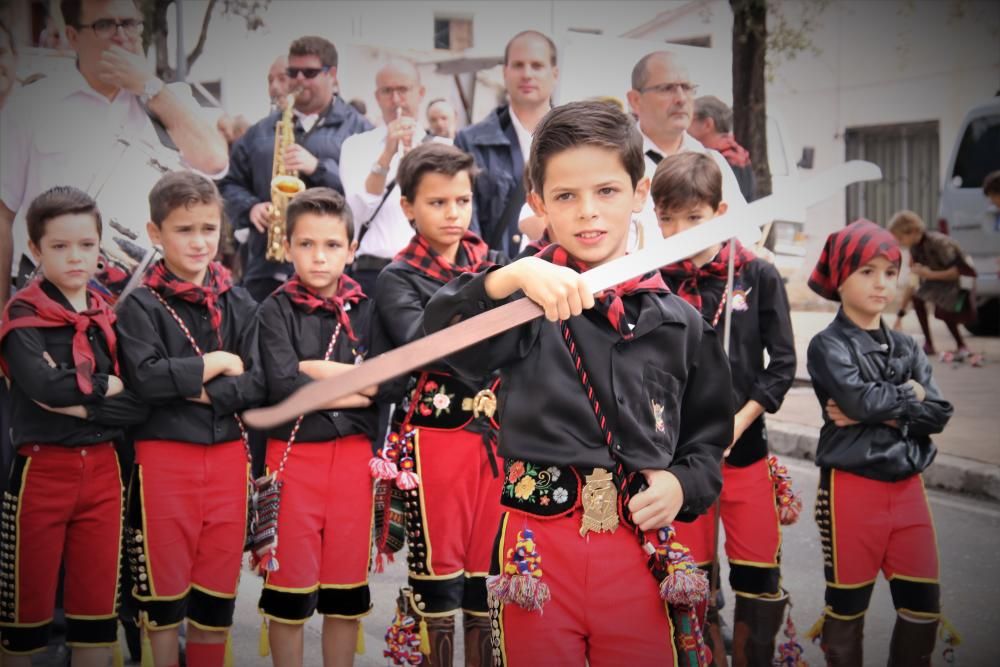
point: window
(979, 152)
(454, 34)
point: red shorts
(186, 528)
(64, 505)
(867, 526)
(605, 610)
(451, 525)
(324, 531)
(752, 530)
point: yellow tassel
(147, 650)
(117, 659)
(359, 647)
(948, 632)
(816, 629)
(264, 642)
(425, 640)
(229, 661)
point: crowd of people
(574, 436)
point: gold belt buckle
(600, 503)
(483, 403)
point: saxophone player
(320, 121)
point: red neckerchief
(217, 282)
(424, 259)
(688, 276)
(536, 247)
(48, 313)
(726, 144)
(306, 299)
(609, 302)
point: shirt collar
(75, 84)
(688, 144)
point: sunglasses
(307, 72)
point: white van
(966, 214)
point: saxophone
(285, 183)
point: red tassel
(382, 468)
(408, 480)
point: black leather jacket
(868, 380)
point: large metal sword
(657, 253)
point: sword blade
(657, 253)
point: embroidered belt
(445, 402)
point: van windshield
(979, 152)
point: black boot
(842, 641)
(478, 646)
(912, 643)
(757, 621)
(441, 633)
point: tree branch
(202, 36)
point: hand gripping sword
(657, 253)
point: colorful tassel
(359, 644)
(402, 641)
(408, 480)
(425, 638)
(521, 581)
(788, 502)
(382, 468)
(684, 584)
(117, 659)
(790, 653)
(949, 635)
(264, 639)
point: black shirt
(160, 365)
(665, 391)
(761, 321)
(33, 379)
(288, 335)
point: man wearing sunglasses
(323, 120)
(662, 98)
(69, 128)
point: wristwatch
(151, 90)
(379, 169)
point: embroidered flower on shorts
(554, 472)
(525, 488)
(515, 472)
(442, 401)
(560, 495)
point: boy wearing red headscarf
(189, 350)
(880, 407)
(686, 191)
(442, 449)
(68, 405)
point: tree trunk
(157, 17)
(749, 99)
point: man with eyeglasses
(322, 121)
(368, 164)
(662, 98)
(501, 142)
(73, 128)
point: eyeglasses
(389, 91)
(307, 72)
(105, 28)
(671, 88)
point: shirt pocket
(662, 410)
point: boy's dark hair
(435, 158)
(311, 45)
(587, 123)
(991, 184)
(181, 189)
(71, 10)
(685, 180)
(319, 201)
(534, 33)
(60, 200)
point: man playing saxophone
(319, 121)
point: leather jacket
(868, 381)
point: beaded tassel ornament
(789, 503)
(521, 581)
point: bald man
(368, 163)
(277, 82)
(442, 119)
(662, 98)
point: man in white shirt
(368, 164)
(501, 142)
(74, 128)
(662, 97)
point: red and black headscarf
(217, 282)
(308, 300)
(32, 307)
(425, 259)
(688, 275)
(848, 250)
(609, 302)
